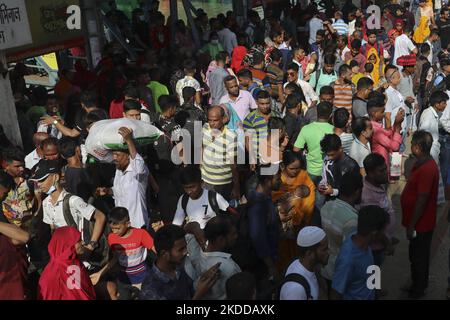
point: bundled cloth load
(104, 137)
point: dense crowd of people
(288, 130)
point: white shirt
(445, 117)
(351, 27)
(228, 39)
(344, 51)
(308, 91)
(130, 188)
(198, 210)
(346, 140)
(199, 262)
(315, 24)
(405, 87)
(144, 116)
(394, 103)
(54, 215)
(403, 46)
(359, 151)
(284, 46)
(295, 291)
(300, 69)
(429, 121)
(430, 56)
(32, 159)
(187, 81)
(54, 132)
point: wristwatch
(55, 122)
(94, 244)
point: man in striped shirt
(341, 123)
(219, 165)
(339, 25)
(344, 89)
(256, 124)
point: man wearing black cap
(47, 178)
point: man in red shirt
(419, 204)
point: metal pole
(93, 31)
(245, 5)
(8, 119)
(174, 18)
(192, 25)
(192, 8)
(240, 10)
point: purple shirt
(374, 195)
(242, 105)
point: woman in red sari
(13, 259)
(65, 277)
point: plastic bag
(396, 164)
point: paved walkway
(396, 269)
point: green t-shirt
(212, 49)
(311, 135)
(158, 90)
(324, 80)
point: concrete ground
(395, 272)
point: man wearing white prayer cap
(300, 282)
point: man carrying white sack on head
(130, 181)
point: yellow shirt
(356, 78)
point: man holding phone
(52, 107)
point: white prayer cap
(309, 236)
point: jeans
(419, 258)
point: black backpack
(431, 87)
(298, 278)
(212, 199)
(99, 256)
